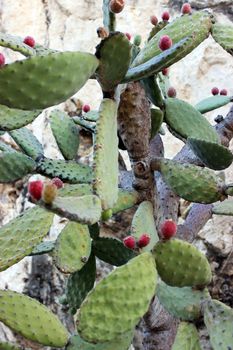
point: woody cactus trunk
(158, 291)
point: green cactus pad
(9, 346)
(114, 53)
(164, 83)
(105, 165)
(75, 190)
(126, 199)
(156, 29)
(22, 234)
(91, 116)
(72, 248)
(16, 43)
(80, 283)
(27, 142)
(180, 264)
(223, 208)
(143, 222)
(218, 319)
(156, 121)
(183, 303)
(14, 166)
(65, 133)
(48, 80)
(153, 91)
(85, 209)
(213, 102)
(120, 343)
(4, 147)
(228, 189)
(186, 121)
(31, 319)
(43, 248)
(223, 34)
(112, 251)
(89, 126)
(187, 337)
(68, 171)
(162, 60)
(191, 182)
(213, 155)
(129, 288)
(11, 119)
(196, 26)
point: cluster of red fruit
(215, 91)
(185, 10)
(131, 243)
(47, 191)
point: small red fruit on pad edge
(171, 92)
(30, 41)
(57, 182)
(35, 189)
(86, 108)
(165, 16)
(186, 9)
(2, 60)
(116, 6)
(154, 20)
(168, 229)
(223, 92)
(165, 71)
(129, 36)
(143, 241)
(215, 91)
(165, 42)
(129, 242)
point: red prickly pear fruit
(2, 60)
(35, 189)
(58, 182)
(168, 229)
(171, 92)
(143, 241)
(165, 16)
(215, 91)
(86, 108)
(129, 242)
(30, 41)
(154, 20)
(165, 42)
(186, 9)
(116, 6)
(165, 71)
(129, 36)
(49, 192)
(223, 92)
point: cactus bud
(30, 41)
(116, 6)
(106, 214)
(215, 91)
(154, 20)
(49, 192)
(129, 36)
(86, 108)
(58, 182)
(129, 242)
(102, 33)
(143, 241)
(171, 92)
(137, 40)
(168, 229)
(223, 92)
(165, 16)
(35, 189)
(2, 60)
(165, 42)
(186, 9)
(165, 71)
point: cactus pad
(48, 80)
(186, 121)
(91, 116)
(223, 208)
(187, 337)
(105, 165)
(196, 26)
(180, 264)
(191, 182)
(126, 199)
(72, 248)
(43, 248)
(213, 155)
(11, 119)
(75, 190)
(143, 222)
(16, 43)
(85, 209)
(31, 319)
(27, 142)
(130, 287)
(9, 346)
(22, 234)
(67, 171)
(213, 102)
(183, 303)
(112, 251)
(65, 133)
(223, 34)
(156, 121)
(14, 166)
(218, 319)
(79, 284)
(114, 53)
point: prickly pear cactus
(159, 283)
